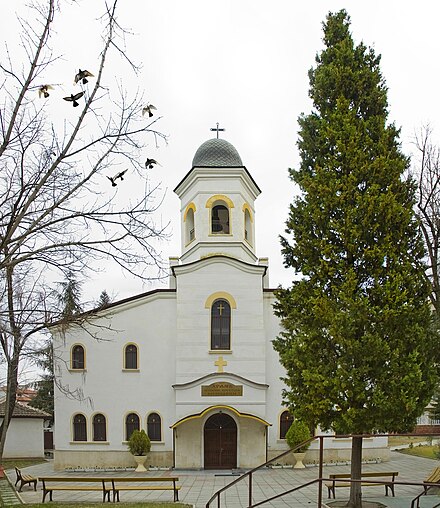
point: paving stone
(8, 496)
(198, 486)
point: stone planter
(299, 457)
(140, 461)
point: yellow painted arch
(219, 197)
(248, 208)
(220, 407)
(192, 207)
(220, 295)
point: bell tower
(217, 205)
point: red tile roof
(24, 411)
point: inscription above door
(222, 389)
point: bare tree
(56, 214)
(427, 173)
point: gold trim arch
(192, 207)
(218, 408)
(223, 295)
(219, 197)
(248, 208)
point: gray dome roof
(217, 152)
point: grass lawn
(428, 452)
(401, 440)
(11, 463)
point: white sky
(244, 63)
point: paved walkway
(8, 495)
(198, 486)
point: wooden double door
(220, 442)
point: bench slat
(434, 476)
(77, 487)
(146, 487)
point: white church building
(192, 365)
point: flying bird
(43, 90)
(82, 75)
(74, 98)
(149, 163)
(114, 178)
(147, 109)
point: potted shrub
(139, 445)
(298, 433)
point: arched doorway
(220, 442)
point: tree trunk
(356, 473)
(11, 395)
(12, 355)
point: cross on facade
(220, 309)
(217, 129)
(220, 363)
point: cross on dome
(217, 129)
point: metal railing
(320, 479)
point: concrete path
(198, 486)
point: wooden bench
(127, 483)
(51, 483)
(434, 477)
(388, 483)
(25, 479)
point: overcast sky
(244, 64)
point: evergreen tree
(358, 346)
(69, 302)
(69, 297)
(104, 300)
(44, 398)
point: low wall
(427, 429)
(88, 459)
(334, 455)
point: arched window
(131, 357)
(221, 325)
(286, 420)
(189, 226)
(78, 357)
(131, 424)
(247, 226)
(154, 427)
(99, 428)
(220, 220)
(79, 428)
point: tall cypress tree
(358, 347)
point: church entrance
(220, 442)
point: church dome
(217, 152)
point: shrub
(298, 432)
(139, 443)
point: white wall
(24, 438)
(105, 387)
